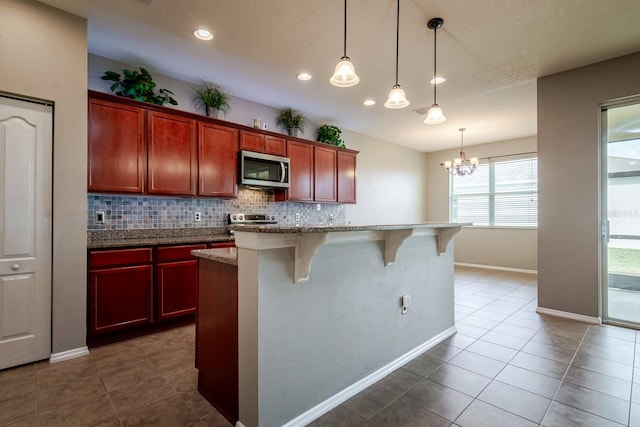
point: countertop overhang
(307, 240)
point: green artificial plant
(213, 98)
(330, 134)
(291, 121)
(139, 86)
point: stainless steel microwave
(264, 170)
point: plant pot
(212, 112)
(292, 132)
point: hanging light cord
(435, 59)
(397, 38)
(345, 29)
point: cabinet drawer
(176, 253)
(218, 245)
(99, 259)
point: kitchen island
(320, 314)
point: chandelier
(461, 166)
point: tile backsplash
(128, 212)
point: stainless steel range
(254, 219)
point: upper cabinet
(300, 172)
(325, 172)
(262, 143)
(171, 154)
(346, 176)
(217, 160)
(116, 156)
(141, 148)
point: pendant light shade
(397, 98)
(435, 115)
(345, 74)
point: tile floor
(506, 366)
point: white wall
(44, 55)
(391, 180)
(498, 247)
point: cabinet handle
(15, 267)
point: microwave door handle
(284, 171)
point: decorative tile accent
(124, 212)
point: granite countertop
(169, 236)
(339, 228)
(223, 255)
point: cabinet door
(217, 161)
(176, 288)
(325, 167)
(275, 145)
(116, 148)
(300, 171)
(251, 141)
(346, 177)
(120, 298)
(171, 150)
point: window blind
(498, 193)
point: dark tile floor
(506, 366)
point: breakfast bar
(324, 312)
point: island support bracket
(444, 237)
(307, 244)
(393, 239)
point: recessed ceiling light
(203, 34)
(304, 76)
(369, 102)
(437, 80)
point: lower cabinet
(176, 281)
(137, 290)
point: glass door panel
(621, 225)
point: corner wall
(569, 180)
(44, 55)
(495, 247)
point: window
(498, 193)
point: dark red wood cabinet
(324, 172)
(263, 143)
(176, 280)
(300, 171)
(217, 160)
(346, 176)
(120, 289)
(116, 156)
(217, 336)
(171, 154)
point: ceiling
(490, 51)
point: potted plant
(291, 121)
(139, 86)
(213, 98)
(330, 134)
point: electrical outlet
(318, 207)
(330, 219)
(297, 217)
(197, 217)
(405, 301)
(100, 217)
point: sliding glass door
(621, 213)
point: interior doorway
(26, 143)
(621, 213)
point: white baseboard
(355, 388)
(495, 267)
(69, 354)
(568, 315)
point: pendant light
(435, 115)
(397, 98)
(345, 73)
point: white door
(25, 231)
